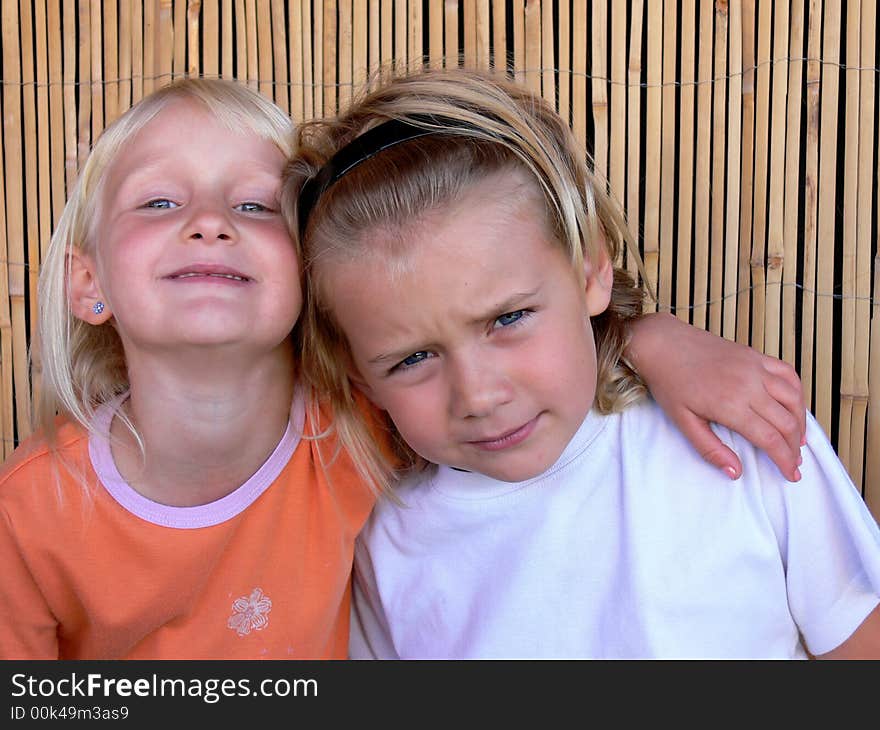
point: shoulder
(34, 455)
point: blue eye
(411, 361)
(505, 320)
(414, 359)
(160, 204)
(251, 207)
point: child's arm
(864, 642)
(698, 377)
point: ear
(83, 289)
(598, 279)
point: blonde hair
(483, 124)
(83, 366)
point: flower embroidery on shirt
(250, 613)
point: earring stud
(98, 307)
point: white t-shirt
(629, 546)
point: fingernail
(804, 440)
(797, 475)
(731, 472)
(800, 460)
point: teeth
(220, 276)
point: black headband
(360, 149)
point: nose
(209, 221)
(479, 386)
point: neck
(207, 424)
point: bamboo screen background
(740, 137)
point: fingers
(709, 446)
(783, 451)
(785, 417)
(785, 386)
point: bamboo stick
(85, 72)
(137, 51)
(400, 39)
(732, 259)
(776, 203)
(210, 46)
(634, 134)
(499, 36)
(668, 134)
(702, 170)
(791, 225)
(563, 70)
(470, 37)
(12, 270)
(241, 39)
(278, 38)
(533, 45)
(867, 143)
(599, 88)
(744, 171)
(96, 87)
(165, 39)
(759, 192)
(295, 41)
(548, 55)
(264, 49)
(519, 38)
(579, 72)
(719, 143)
(193, 36)
(653, 144)
(308, 64)
(414, 47)
(389, 38)
(328, 65)
(450, 21)
(69, 94)
(111, 60)
(847, 392)
(344, 53)
(617, 149)
(56, 107)
(253, 70)
(483, 46)
(685, 164)
(29, 243)
(124, 70)
(44, 177)
(827, 210)
(150, 46)
(375, 38)
(811, 201)
(178, 64)
(435, 34)
(227, 50)
(360, 59)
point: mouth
(508, 438)
(208, 272)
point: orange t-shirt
(103, 573)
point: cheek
(418, 415)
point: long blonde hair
(481, 123)
(82, 365)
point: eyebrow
(512, 303)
